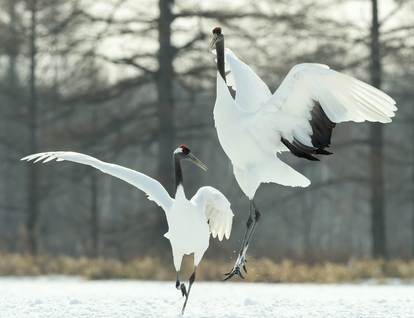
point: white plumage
(253, 125)
(217, 210)
(190, 222)
(250, 126)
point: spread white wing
(155, 191)
(314, 98)
(309, 102)
(217, 211)
(343, 98)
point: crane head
(217, 37)
(183, 152)
(217, 30)
(184, 149)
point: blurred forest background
(127, 81)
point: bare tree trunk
(376, 143)
(412, 195)
(165, 105)
(12, 47)
(307, 223)
(412, 230)
(94, 217)
(165, 77)
(9, 170)
(32, 181)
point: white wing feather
(251, 91)
(288, 110)
(343, 98)
(155, 191)
(217, 211)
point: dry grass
(260, 270)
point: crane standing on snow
(253, 125)
(190, 222)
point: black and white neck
(220, 59)
(219, 44)
(178, 156)
(220, 50)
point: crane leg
(191, 281)
(181, 286)
(254, 216)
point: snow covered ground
(69, 297)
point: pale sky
(355, 11)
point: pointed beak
(196, 161)
(213, 42)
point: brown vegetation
(260, 270)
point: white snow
(75, 298)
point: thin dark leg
(191, 281)
(257, 216)
(251, 224)
(243, 248)
(180, 286)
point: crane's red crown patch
(217, 30)
(185, 149)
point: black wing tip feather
(322, 128)
(321, 151)
(300, 150)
